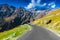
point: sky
(29, 4)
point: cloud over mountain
(37, 3)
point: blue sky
(16, 3)
(33, 3)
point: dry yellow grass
(50, 21)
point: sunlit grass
(13, 34)
(54, 25)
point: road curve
(39, 33)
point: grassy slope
(14, 33)
(54, 25)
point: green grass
(13, 34)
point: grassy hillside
(13, 34)
(51, 21)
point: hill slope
(15, 33)
(51, 21)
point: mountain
(37, 14)
(11, 17)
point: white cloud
(33, 4)
(30, 6)
(43, 4)
(52, 5)
(38, 3)
(32, 1)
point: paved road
(39, 33)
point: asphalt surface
(39, 33)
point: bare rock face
(11, 17)
(39, 13)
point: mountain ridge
(11, 16)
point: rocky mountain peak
(11, 16)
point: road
(39, 33)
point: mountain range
(11, 16)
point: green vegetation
(51, 21)
(13, 34)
